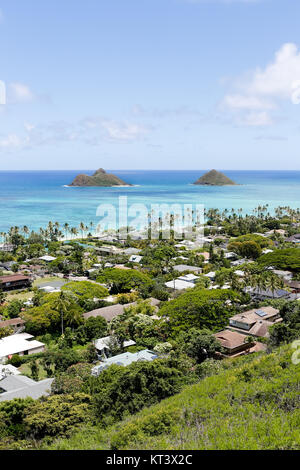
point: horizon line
(147, 169)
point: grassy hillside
(252, 403)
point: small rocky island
(99, 178)
(214, 178)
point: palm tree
(66, 228)
(82, 228)
(74, 231)
(273, 282)
(62, 304)
(25, 230)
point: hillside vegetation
(215, 178)
(249, 403)
(99, 178)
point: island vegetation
(99, 178)
(214, 178)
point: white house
(135, 259)
(47, 258)
(188, 278)
(179, 284)
(211, 275)
(103, 345)
(21, 344)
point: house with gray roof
(185, 267)
(20, 386)
(112, 311)
(124, 360)
(267, 294)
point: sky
(149, 84)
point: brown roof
(258, 347)
(12, 322)
(13, 278)
(293, 284)
(113, 311)
(230, 339)
(251, 316)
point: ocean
(33, 198)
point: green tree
(200, 309)
(57, 415)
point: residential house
(103, 345)
(188, 278)
(47, 258)
(14, 281)
(183, 282)
(17, 324)
(19, 386)
(211, 275)
(294, 238)
(131, 251)
(294, 286)
(236, 344)
(279, 231)
(266, 294)
(22, 344)
(178, 284)
(124, 360)
(113, 311)
(285, 275)
(185, 267)
(230, 255)
(255, 322)
(6, 247)
(7, 370)
(135, 258)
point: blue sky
(150, 84)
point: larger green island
(99, 178)
(214, 178)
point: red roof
(13, 278)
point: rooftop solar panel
(260, 313)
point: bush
(16, 360)
(57, 415)
(152, 425)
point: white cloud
(254, 119)
(246, 102)
(112, 130)
(265, 88)
(19, 92)
(180, 111)
(91, 131)
(12, 141)
(123, 131)
(29, 127)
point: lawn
(45, 280)
(20, 296)
(25, 370)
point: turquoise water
(33, 198)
